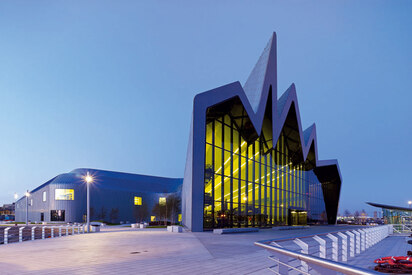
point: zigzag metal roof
(254, 96)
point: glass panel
(64, 194)
(137, 200)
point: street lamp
(27, 207)
(88, 179)
(410, 203)
(16, 196)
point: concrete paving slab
(120, 250)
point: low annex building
(114, 197)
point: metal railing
(14, 234)
(319, 262)
(313, 256)
(402, 228)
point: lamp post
(410, 203)
(27, 207)
(16, 196)
(88, 179)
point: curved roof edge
(389, 206)
(107, 174)
(124, 174)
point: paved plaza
(122, 250)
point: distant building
(394, 214)
(7, 212)
(114, 197)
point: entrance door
(297, 217)
(42, 217)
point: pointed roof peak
(263, 75)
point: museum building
(249, 164)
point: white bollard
(33, 236)
(357, 234)
(322, 246)
(60, 231)
(367, 238)
(357, 241)
(363, 239)
(334, 246)
(6, 235)
(42, 232)
(352, 243)
(21, 234)
(344, 246)
(390, 229)
(305, 249)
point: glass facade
(395, 216)
(253, 184)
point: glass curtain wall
(250, 185)
(392, 216)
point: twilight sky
(110, 84)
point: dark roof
(390, 207)
(118, 181)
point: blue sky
(110, 84)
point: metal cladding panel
(187, 184)
(20, 210)
(36, 206)
(259, 90)
(71, 207)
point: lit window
(44, 196)
(137, 200)
(64, 195)
(57, 215)
(152, 218)
(162, 201)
